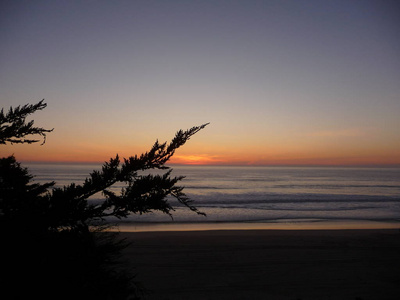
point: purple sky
(280, 81)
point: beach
(267, 264)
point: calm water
(266, 196)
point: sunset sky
(281, 82)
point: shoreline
(267, 264)
(283, 225)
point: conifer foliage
(68, 248)
(13, 126)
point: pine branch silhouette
(66, 234)
(14, 129)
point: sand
(267, 264)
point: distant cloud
(349, 132)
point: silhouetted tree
(55, 237)
(13, 127)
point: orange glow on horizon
(188, 159)
(191, 155)
(197, 160)
(205, 162)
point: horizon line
(371, 165)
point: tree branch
(14, 129)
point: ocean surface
(263, 197)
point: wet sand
(267, 264)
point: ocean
(241, 197)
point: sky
(281, 82)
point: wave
(334, 186)
(249, 199)
(296, 209)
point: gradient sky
(282, 82)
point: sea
(250, 197)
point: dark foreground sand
(268, 264)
